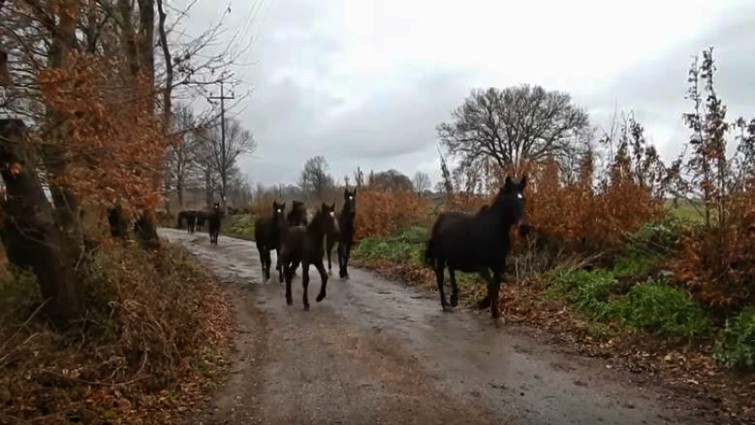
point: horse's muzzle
(524, 229)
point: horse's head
(328, 218)
(279, 216)
(298, 214)
(350, 201)
(216, 207)
(512, 200)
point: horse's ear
(507, 183)
(523, 181)
(345, 192)
(324, 206)
(333, 207)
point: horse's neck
(495, 214)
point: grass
(736, 347)
(238, 226)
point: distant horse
(267, 236)
(345, 236)
(477, 243)
(305, 245)
(188, 216)
(298, 214)
(214, 224)
(202, 216)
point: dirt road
(375, 351)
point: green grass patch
(665, 311)
(652, 306)
(405, 246)
(736, 348)
(238, 226)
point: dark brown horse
(305, 246)
(345, 236)
(188, 216)
(477, 243)
(214, 223)
(267, 236)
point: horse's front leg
(323, 279)
(289, 278)
(493, 293)
(454, 287)
(329, 247)
(278, 265)
(346, 255)
(305, 284)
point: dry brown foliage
(382, 212)
(164, 323)
(113, 146)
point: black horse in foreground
(345, 235)
(477, 243)
(305, 245)
(267, 236)
(214, 224)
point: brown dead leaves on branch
(114, 146)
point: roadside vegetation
(646, 262)
(101, 321)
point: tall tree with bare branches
(513, 126)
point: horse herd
(296, 241)
(470, 243)
(195, 221)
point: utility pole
(223, 166)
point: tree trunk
(66, 205)
(32, 236)
(180, 191)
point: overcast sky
(364, 83)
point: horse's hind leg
(454, 287)
(439, 266)
(323, 279)
(485, 302)
(305, 284)
(346, 255)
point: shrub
(736, 349)
(665, 311)
(382, 212)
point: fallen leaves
(52, 380)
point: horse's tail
(430, 253)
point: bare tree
(315, 179)
(182, 156)
(391, 180)
(421, 182)
(513, 126)
(217, 160)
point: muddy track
(375, 351)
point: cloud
(365, 83)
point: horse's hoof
(483, 304)
(306, 307)
(449, 309)
(320, 297)
(454, 301)
(289, 301)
